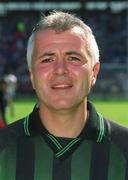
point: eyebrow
(73, 52)
(70, 52)
(47, 54)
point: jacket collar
(95, 128)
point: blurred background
(108, 20)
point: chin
(68, 105)
(62, 107)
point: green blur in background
(111, 109)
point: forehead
(73, 34)
(73, 40)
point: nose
(60, 67)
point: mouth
(62, 86)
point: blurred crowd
(110, 30)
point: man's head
(63, 61)
(60, 22)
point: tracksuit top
(29, 152)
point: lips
(61, 86)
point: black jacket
(29, 152)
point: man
(3, 103)
(64, 137)
(11, 81)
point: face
(62, 73)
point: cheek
(86, 78)
(45, 70)
(83, 74)
(35, 77)
(40, 74)
(41, 78)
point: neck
(64, 123)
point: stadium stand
(111, 32)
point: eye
(47, 60)
(74, 58)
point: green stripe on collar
(67, 147)
(26, 129)
(61, 150)
(101, 129)
(55, 141)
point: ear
(31, 78)
(96, 69)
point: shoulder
(11, 133)
(118, 135)
(117, 131)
